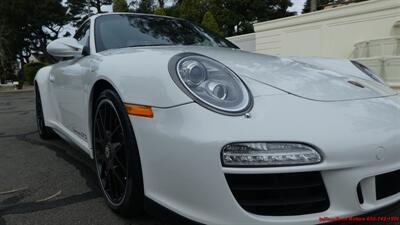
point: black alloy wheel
(116, 156)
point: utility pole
(313, 5)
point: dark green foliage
(210, 23)
(146, 6)
(120, 6)
(161, 3)
(192, 10)
(80, 10)
(160, 11)
(30, 25)
(79, 6)
(30, 71)
(322, 3)
(234, 16)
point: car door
(67, 81)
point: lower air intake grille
(280, 194)
(387, 184)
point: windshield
(132, 30)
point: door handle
(52, 78)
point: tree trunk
(21, 76)
(98, 6)
(161, 3)
(313, 5)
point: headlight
(268, 154)
(368, 71)
(210, 84)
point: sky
(298, 6)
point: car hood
(303, 78)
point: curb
(16, 91)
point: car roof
(130, 13)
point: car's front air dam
(180, 151)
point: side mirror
(65, 47)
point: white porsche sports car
(180, 119)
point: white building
(367, 31)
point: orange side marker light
(139, 110)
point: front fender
(141, 77)
(42, 84)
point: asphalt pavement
(50, 182)
(46, 182)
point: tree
(281, 9)
(99, 3)
(233, 16)
(192, 10)
(161, 3)
(160, 11)
(145, 6)
(120, 6)
(80, 10)
(320, 4)
(31, 69)
(32, 24)
(210, 23)
(5, 55)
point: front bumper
(180, 154)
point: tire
(46, 133)
(116, 155)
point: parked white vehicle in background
(177, 117)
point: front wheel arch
(135, 201)
(98, 87)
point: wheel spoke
(117, 176)
(104, 118)
(110, 118)
(102, 122)
(100, 142)
(110, 185)
(116, 187)
(100, 129)
(110, 153)
(121, 165)
(115, 130)
(101, 158)
(119, 184)
(116, 146)
(101, 168)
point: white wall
(331, 32)
(246, 42)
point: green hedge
(30, 70)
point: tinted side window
(83, 35)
